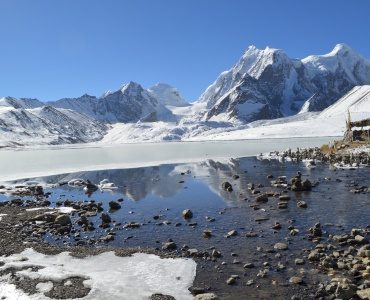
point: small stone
(206, 296)
(284, 198)
(364, 294)
(216, 253)
(263, 198)
(282, 205)
(299, 261)
(281, 246)
(63, 220)
(227, 186)
(295, 280)
(248, 266)
(276, 226)
(250, 282)
(192, 252)
(169, 246)
(314, 255)
(113, 205)
(207, 233)
(232, 233)
(187, 214)
(105, 218)
(302, 204)
(360, 239)
(231, 281)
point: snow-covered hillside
(46, 125)
(267, 84)
(131, 103)
(330, 122)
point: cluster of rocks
(316, 154)
(346, 259)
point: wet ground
(155, 197)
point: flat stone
(295, 280)
(169, 246)
(231, 281)
(302, 204)
(262, 198)
(299, 261)
(206, 296)
(232, 233)
(281, 246)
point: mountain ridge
(267, 84)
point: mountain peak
(131, 88)
(341, 49)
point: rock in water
(105, 218)
(169, 246)
(281, 246)
(262, 198)
(114, 205)
(227, 186)
(187, 214)
(63, 220)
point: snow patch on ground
(63, 210)
(109, 276)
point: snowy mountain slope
(46, 125)
(357, 102)
(131, 103)
(167, 95)
(20, 103)
(267, 84)
(330, 122)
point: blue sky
(65, 48)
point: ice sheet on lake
(109, 276)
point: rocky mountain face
(167, 95)
(267, 84)
(21, 125)
(131, 103)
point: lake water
(156, 182)
(155, 197)
(16, 164)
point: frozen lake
(17, 164)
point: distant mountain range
(263, 84)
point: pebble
(187, 214)
(281, 246)
(295, 280)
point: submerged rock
(227, 186)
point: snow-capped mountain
(167, 95)
(45, 125)
(131, 103)
(267, 84)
